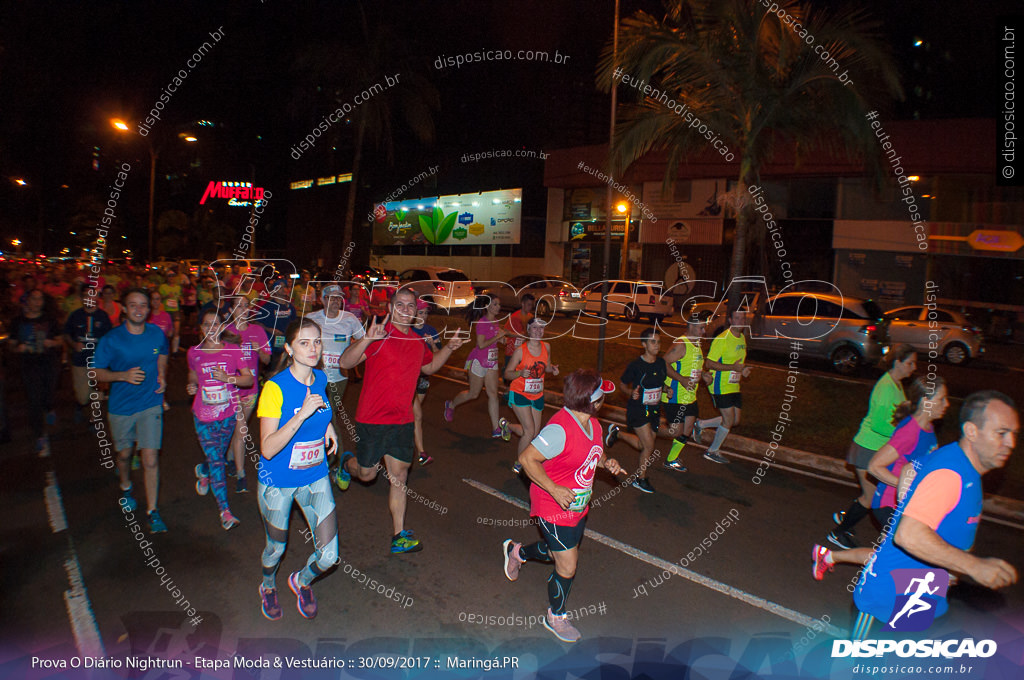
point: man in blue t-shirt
(940, 515)
(83, 329)
(133, 358)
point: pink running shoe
(513, 562)
(449, 411)
(822, 562)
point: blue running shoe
(404, 542)
(156, 523)
(343, 477)
(128, 501)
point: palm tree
(342, 70)
(756, 82)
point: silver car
(442, 287)
(551, 294)
(847, 332)
(942, 330)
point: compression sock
(558, 592)
(855, 513)
(710, 422)
(677, 448)
(535, 551)
(720, 434)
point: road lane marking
(54, 505)
(735, 593)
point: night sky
(67, 68)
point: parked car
(442, 287)
(552, 294)
(956, 337)
(194, 267)
(847, 332)
(631, 299)
(164, 266)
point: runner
(913, 440)
(433, 340)
(171, 292)
(275, 314)
(525, 372)
(255, 350)
(110, 305)
(515, 328)
(159, 317)
(214, 370)
(643, 380)
(727, 361)
(339, 329)
(394, 358)
(35, 336)
(684, 365)
(133, 357)
(943, 509)
(84, 327)
(296, 434)
(482, 363)
(875, 430)
(561, 462)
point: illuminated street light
(16, 242)
(20, 182)
(913, 178)
(119, 124)
(190, 138)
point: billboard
(483, 218)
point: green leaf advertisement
(483, 218)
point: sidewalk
(996, 506)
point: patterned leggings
(317, 504)
(215, 437)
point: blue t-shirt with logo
(303, 460)
(120, 350)
(87, 328)
(876, 591)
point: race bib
(214, 394)
(518, 343)
(652, 396)
(332, 360)
(171, 305)
(278, 341)
(734, 377)
(534, 385)
(579, 503)
(695, 374)
(492, 354)
(306, 455)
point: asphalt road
(752, 587)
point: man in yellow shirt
(726, 359)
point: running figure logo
(914, 610)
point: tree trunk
(743, 221)
(353, 187)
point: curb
(996, 506)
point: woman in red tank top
(526, 370)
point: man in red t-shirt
(395, 356)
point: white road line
(54, 505)
(76, 600)
(735, 593)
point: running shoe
(449, 411)
(496, 434)
(304, 600)
(404, 542)
(271, 608)
(716, 457)
(838, 517)
(136, 461)
(156, 523)
(676, 465)
(43, 447)
(506, 434)
(612, 436)
(843, 539)
(128, 500)
(822, 562)
(202, 480)
(560, 626)
(517, 468)
(230, 470)
(341, 476)
(644, 485)
(424, 459)
(227, 520)
(242, 485)
(513, 562)
(698, 431)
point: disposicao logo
(922, 590)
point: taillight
(562, 293)
(871, 328)
(438, 285)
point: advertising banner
(483, 218)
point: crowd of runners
(287, 350)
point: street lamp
(121, 126)
(623, 208)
